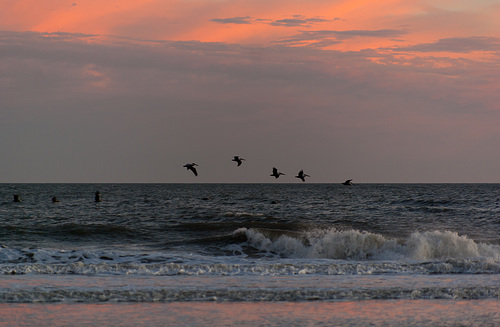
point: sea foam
(359, 245)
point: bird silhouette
(190, 166)
(347, 182)
(238, 160)
(276, 173)
(302, 176)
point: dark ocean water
(248, 242)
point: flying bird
(275, 173)
(190, 166)
(302, 176)
(347, 182)
(238, 160)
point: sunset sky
(131, 90)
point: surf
(362, 245)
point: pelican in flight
(302, 176)
(275, 173)
(238, 160)
(347, 182)
(190, 166)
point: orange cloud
(260, 21)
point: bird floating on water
(238, 160)
(190, 166)
(276, 173)
(97, 197)
(302, 176)
(347, 182)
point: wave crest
(436, 245)
(360, 245)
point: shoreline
(346, 313)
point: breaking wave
(322, 252)
(357, 245)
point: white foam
(447, 245)
(358, 245)
(322, 252)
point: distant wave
(71, 229)
(357, 245)
(242, 214)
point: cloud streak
(233, 20)
(325, 38)
(294, 21)
(458, 45)
(299, 21)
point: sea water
(250, 254)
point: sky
(386, 91)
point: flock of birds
(191, 166)
(301, 175)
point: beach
(350, 313)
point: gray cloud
(295, 21)
(328, 37)
(299, 20)
(233, 20)
(381, 33)
(458, 45)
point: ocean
(250, 255)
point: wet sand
(352, 313)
